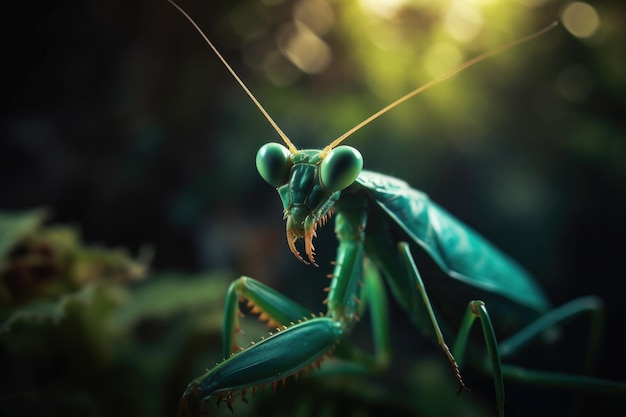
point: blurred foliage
(118, 117)
(79, 337)
(38, 264)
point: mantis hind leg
(591, 306)
(475, 309)
(416, 281)
(478, 310)
(495, 351)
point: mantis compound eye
(273, 164)
(341, 166)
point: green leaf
(52, 311)
(14, 225)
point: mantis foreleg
(272, 306)
(301, 339)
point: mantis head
(309, 182)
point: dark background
(119, 118)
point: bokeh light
(383, 8)
(463, 21)
(317, 15)
(303, 48)
(580, 19)
(575, 83)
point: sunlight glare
(463, 22)
(535, 4)
(440, 57)
(382, 8)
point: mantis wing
(458, 250)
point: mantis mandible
(383, 225)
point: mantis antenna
(385, 109)
(439, 79)
(280, 132)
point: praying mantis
(385, 229)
